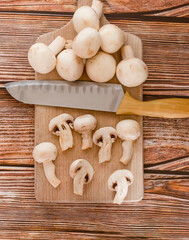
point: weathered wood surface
(157, 8)
(163, 214)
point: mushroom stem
(127, 147)
(69, 44)
(57, 45)
(87, 141)
(49, 169)
(79, 180)
(127, 52)
(97, 6)
(121, 190)
(105, 151)
(65, 138)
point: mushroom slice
(82, 172)
(61, 126)
(42, 57)
(128, 130)
(86, 16)
(104, 138)
(131, 71)
(46, 153)
(119, 181)
(85, 124)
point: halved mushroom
(86, 16)
(112, 38)
(119, 181)
(131, 71)
(128, 130)
(46, 153)
(61, 126)
(85, 124)
(87, 43)
(104, 138)
(82, 172)
(101, 67)
(42, 57)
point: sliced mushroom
(85, 124)
(87, 43)
(42, 57)
(82, 172)
(112, 38)
(128, 130)
(131, 71)
(104, 138)
(69, 66)
(101, 67)
(61, 126)
(46, 153)
(119, 181)
(86, 16)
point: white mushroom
(112, 38)
(42, 57)
(69, 66)
(131, 71)
(104, 138)
(86, 16)
(101, 67)
(46, 153)
(68, 44)
(87, 43)
(128, 130)
(119, 181)
(85, 124)
(61, 126)
(82, 172)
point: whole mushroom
(69, 66)
(112, 38)
(82, 172)
(46, 153)
(86, 16)
(128, 130)
(104, 138)
(42, 57)
(119, 181)
(61, 126)
(87, 43)
(101, 67)
(131, 71)
(85, 124)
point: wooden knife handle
(165, 108)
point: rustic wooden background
(164, 212)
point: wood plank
(166, 49)
(160, 7)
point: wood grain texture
(143, 7)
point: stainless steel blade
(82, 95)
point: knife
(92, 96)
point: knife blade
(82, 95)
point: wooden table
(163, 213)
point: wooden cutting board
(97, 191)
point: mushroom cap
(44, 152)
(85, 17)
(87, 43)
(41, 58)
(118, 174)
(104, 132)
(85, 123)
(69, 66)
(128, 129)
(60, 119)
(112, 38)
(81, 163)
(101, 67)
(132, 72)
